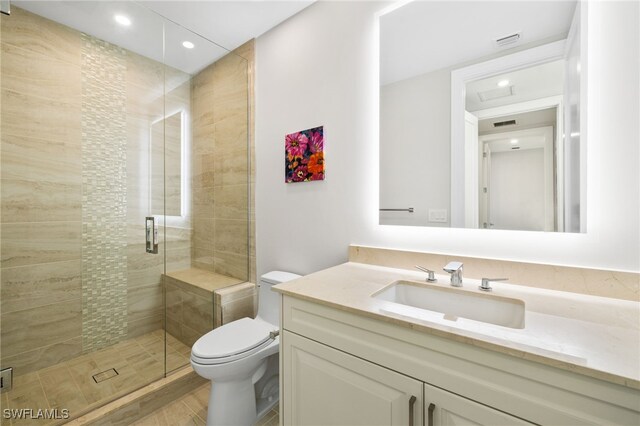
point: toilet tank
(268, 300)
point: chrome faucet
(485, 283)
(430, 274)
(455, 269)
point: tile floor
(70, 385)
(191, 410)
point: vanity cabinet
(329, 387)
(345, 368)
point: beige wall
(219, 105)
(41, 244)
(41, 171)
(247, 51)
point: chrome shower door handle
(412, 403)
(151, 235)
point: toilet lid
(231, 339)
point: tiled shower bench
(198, 301)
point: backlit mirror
(166, 165)
(480, 115)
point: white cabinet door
(444, 408)
(324, 386)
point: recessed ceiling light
(503, 83)
(188, 44)
(122, 20)
(514, 141)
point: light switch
(438, 215)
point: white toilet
(241, 359)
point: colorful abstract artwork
(304, 155)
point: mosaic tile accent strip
(104, 194)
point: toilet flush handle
(274, 334)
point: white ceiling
(425, 36)
(535, 82)
(227, 23)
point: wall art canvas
(304, 155)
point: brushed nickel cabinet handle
(432, 407)
(410, 210)
(412, 402)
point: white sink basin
(456, 303)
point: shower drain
(105, 375)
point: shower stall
(125, 162)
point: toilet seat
(232, 341)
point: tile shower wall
(219, 106)
(247, 51)
(42, 194)
(41, 244)
(104, 192)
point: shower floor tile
(61, 390)
(70, 385)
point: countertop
(594, 336)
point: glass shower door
(206, 184)
(82, 313)
(115, 124)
